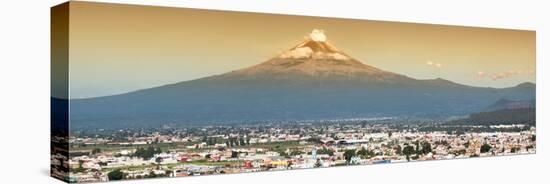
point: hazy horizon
(128, 48)
(229, 71)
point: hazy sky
(120, 48)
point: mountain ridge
(311, 81)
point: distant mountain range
(311, 81)
(500, 117)
(511, 104)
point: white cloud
(481, 74)
(434, 64)
(511, 73)
(429, 63)
(318, 35)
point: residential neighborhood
(174, 152)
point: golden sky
(121, 48)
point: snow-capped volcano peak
(318, 35)
(315, 46)
(315, 57)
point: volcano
(310, 81)
(316, 57)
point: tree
(408, 151)
(80, 168)
(283, 153)
(327, 151)
(295, 152)
(232, 141)
(147, 153)
(426, 148)
(211, 141)
(317, 163)
(152, 175)
(241, 141)
(169, 173)
(348, 154)
(485, 148)
(443, 142)
(363, 152)
(115, 175)
(96, 151)
(398, 150)
(234, 154)
(158, 160)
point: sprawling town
(124, 154)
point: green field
(181, 146)
(195, 162)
